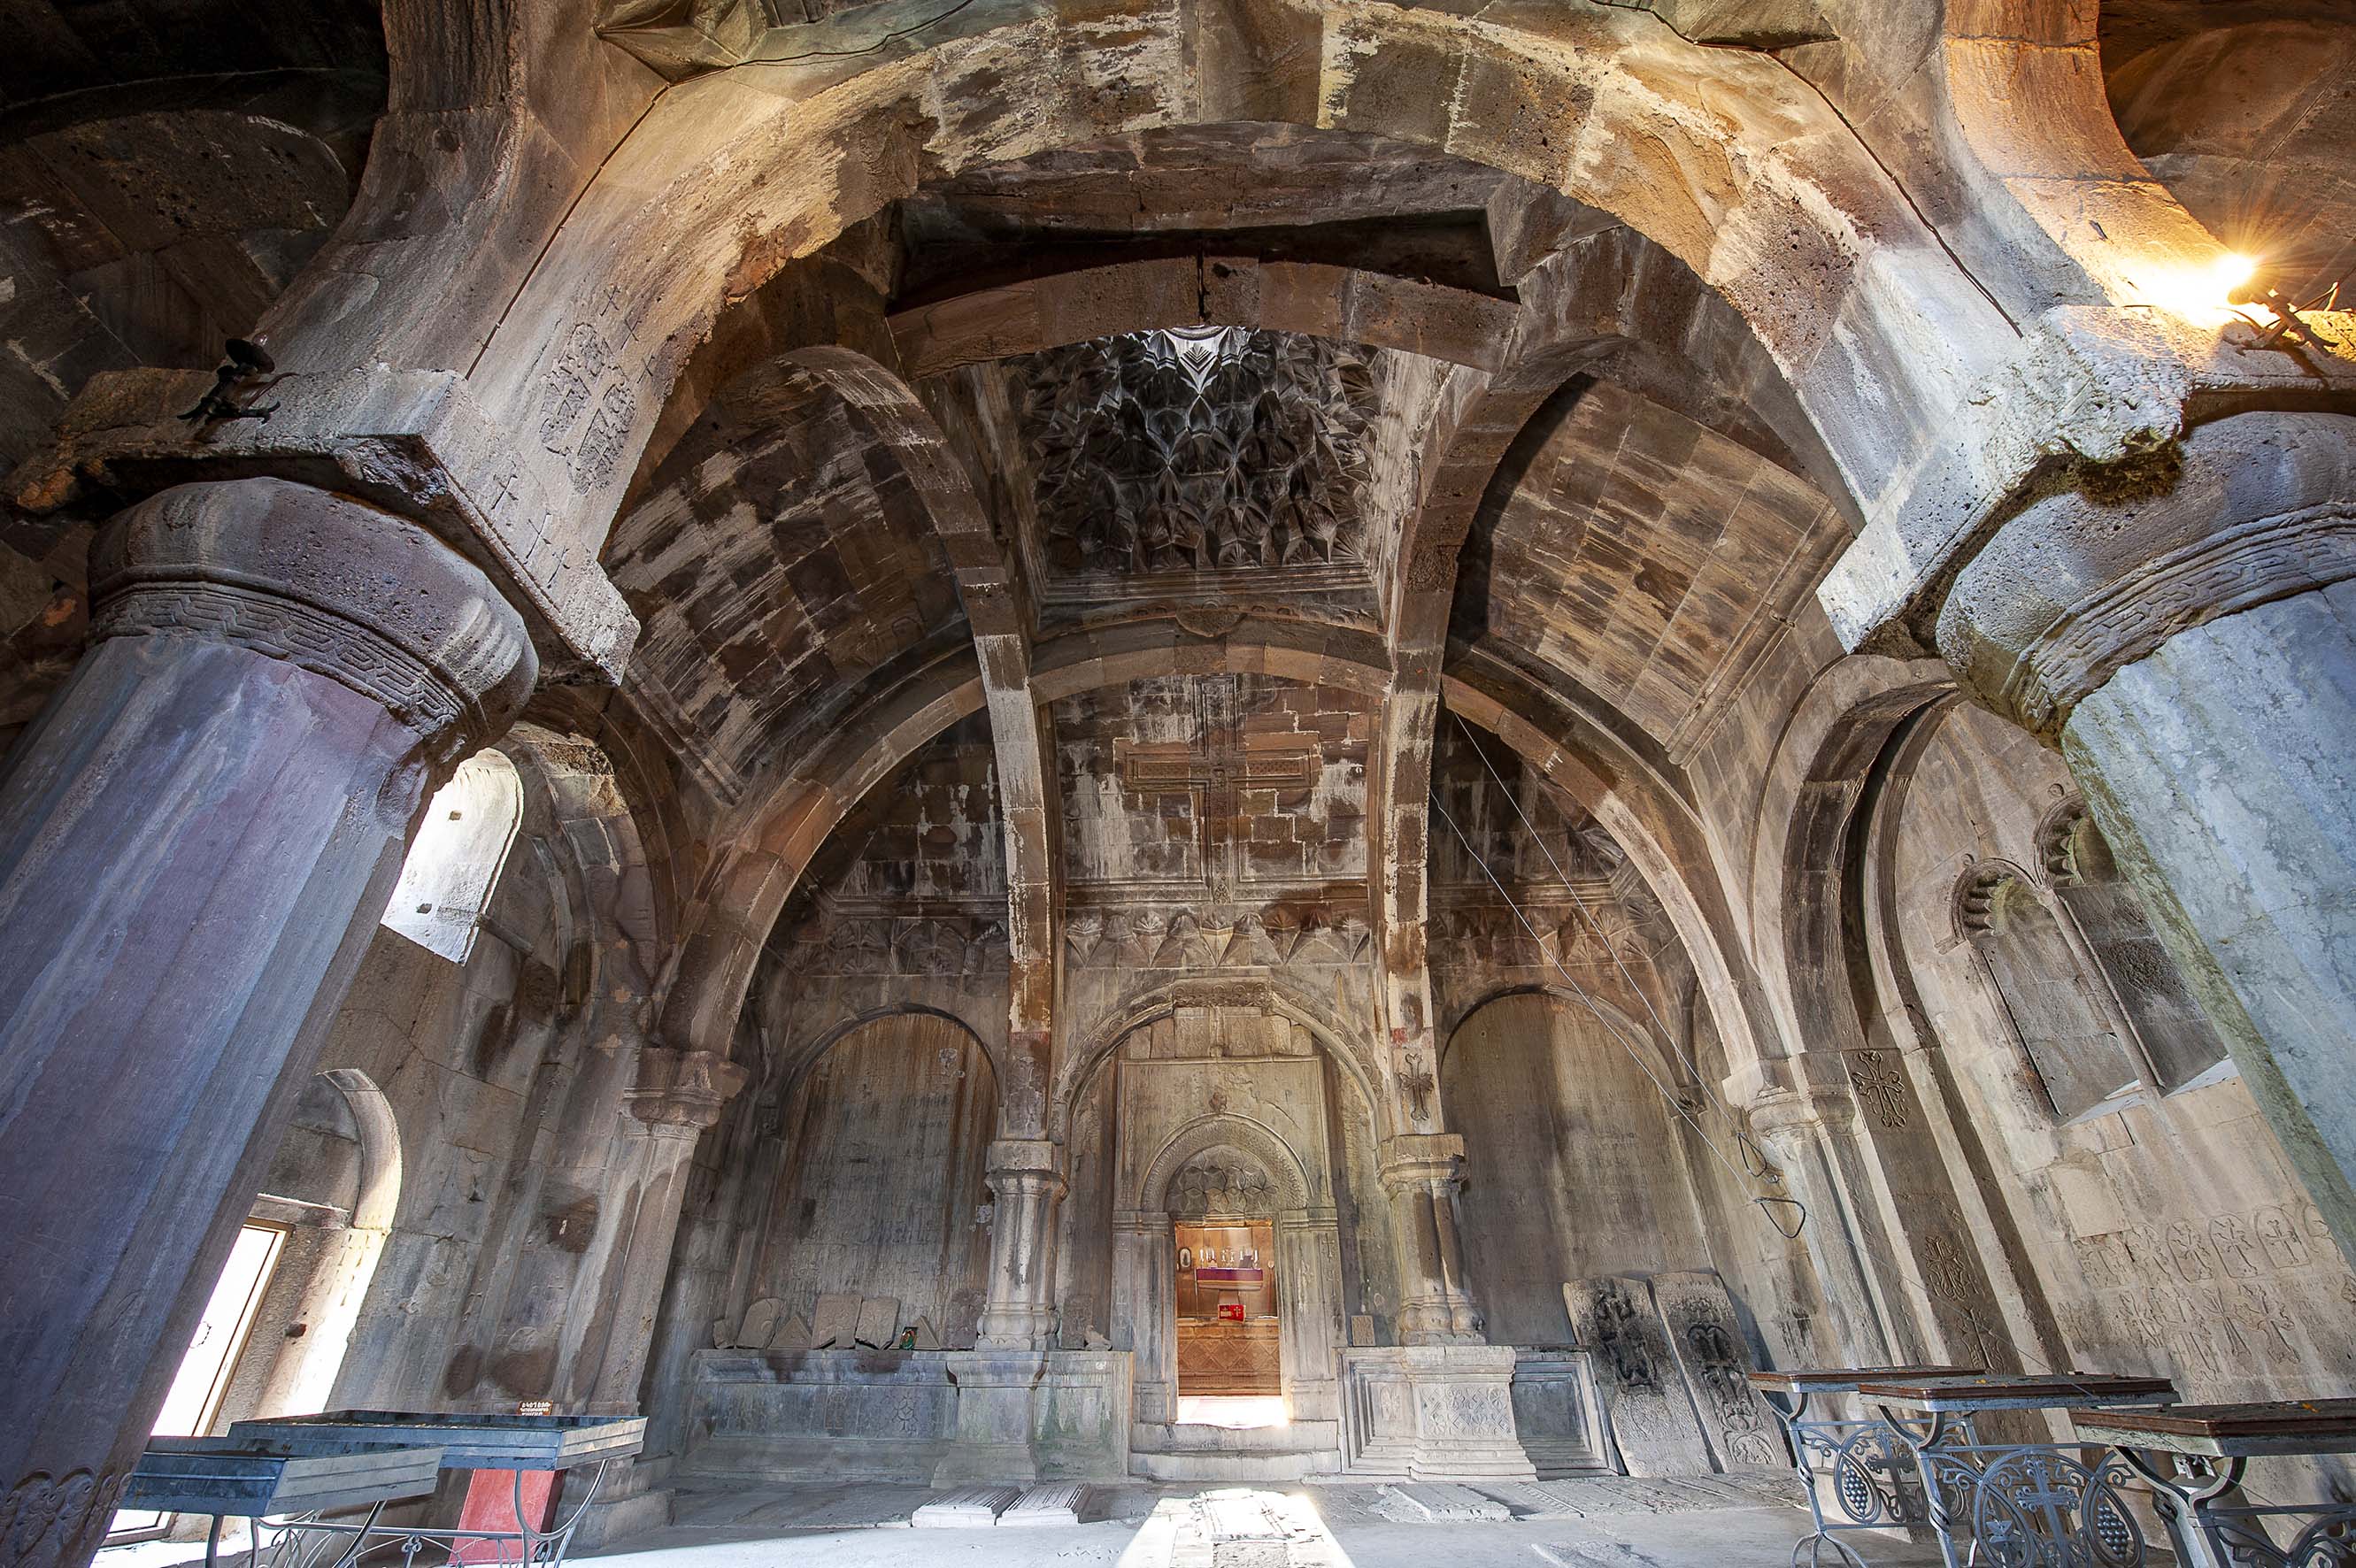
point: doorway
(1230, 1356)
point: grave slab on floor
(1052, 1503)
(968, 1508)
(1431, 1502)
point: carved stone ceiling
(1214, 450)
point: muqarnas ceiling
(1205, 450)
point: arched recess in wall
(303, 1379)
(2078, 1051)
(2179, 1046)
(880, 1190)
(455, 861)
(1580, 1169)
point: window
(2181, 1045)
(447, 880)
(2056, 1009)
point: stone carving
(1221, 1181)
(1647, 1409)
(1213, 938)
(1880, 1090)
(878, 1322)
(826, 943)
(1707, 1339)
(1204, 449)
(44, 1518)
(1417, 1084)
(834, 1324)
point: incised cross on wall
(1218, 770)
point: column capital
(1778, 1112)
(2073, 588)
(1410, 1158)
(685, 1089)
(328, 585)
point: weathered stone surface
(968, 1508)
(1706, 1337)
(1646, 1405)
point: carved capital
(1429, 1159)
(682, 1088)
(369, 600)
(2075, 588)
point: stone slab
(879, 1322)
(1054, 1503)
(760, 1325)
(968, 1508)
(835, 1322)
(1715, 1363)
(1646, 1408)
(1432, 1502)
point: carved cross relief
(1216, 771)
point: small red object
(1231, 1311)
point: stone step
(968, 1508)
(1049, 1504)
(1432, 1502)
(1294, 1438)
(1264, 1468)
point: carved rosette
(328, 585)
(2074, 588)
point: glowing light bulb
(2199, 291)
(2231, 270)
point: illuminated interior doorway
(190, 1408)
(1228, 1332)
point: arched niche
(2179, 1047)
(456, 860)
(878, 1176)
(1575, 1166)
(2058, 1018)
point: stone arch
(1219, 1129)
(1647, 815)
(303, 1378)
(802, 1057)
(1614, 1018)
(1161, 1001)
(1764, 192)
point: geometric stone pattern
(1206, 449)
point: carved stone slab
(968, 1508)
(1646, 1408)
(760, 1325)
(1055, 1503)
(1707, 1338)
(879, 1322)
(1426, 1502)
(835, 1322)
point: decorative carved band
(2235, 568)
(46, 1519)
(310, 638)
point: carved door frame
(1308, 1269)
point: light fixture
(2199, 291)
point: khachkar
(197, 838)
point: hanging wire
(1768, 1206)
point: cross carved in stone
(1217, 770)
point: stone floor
(1617, 1523)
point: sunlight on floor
(1236, 1413)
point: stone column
(1423, 1172)
(197, 838)
(1026, 1185)
(678, 1094)
(1309, 1277)
(1795, 1126)
(2190, 646)
(1145, 1304)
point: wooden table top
(2019, 1390)
(1839, 1380)
(2227, 1431)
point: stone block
(878, 1323)
(835, 1323)
(968, 1508)
(1425, 1502)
